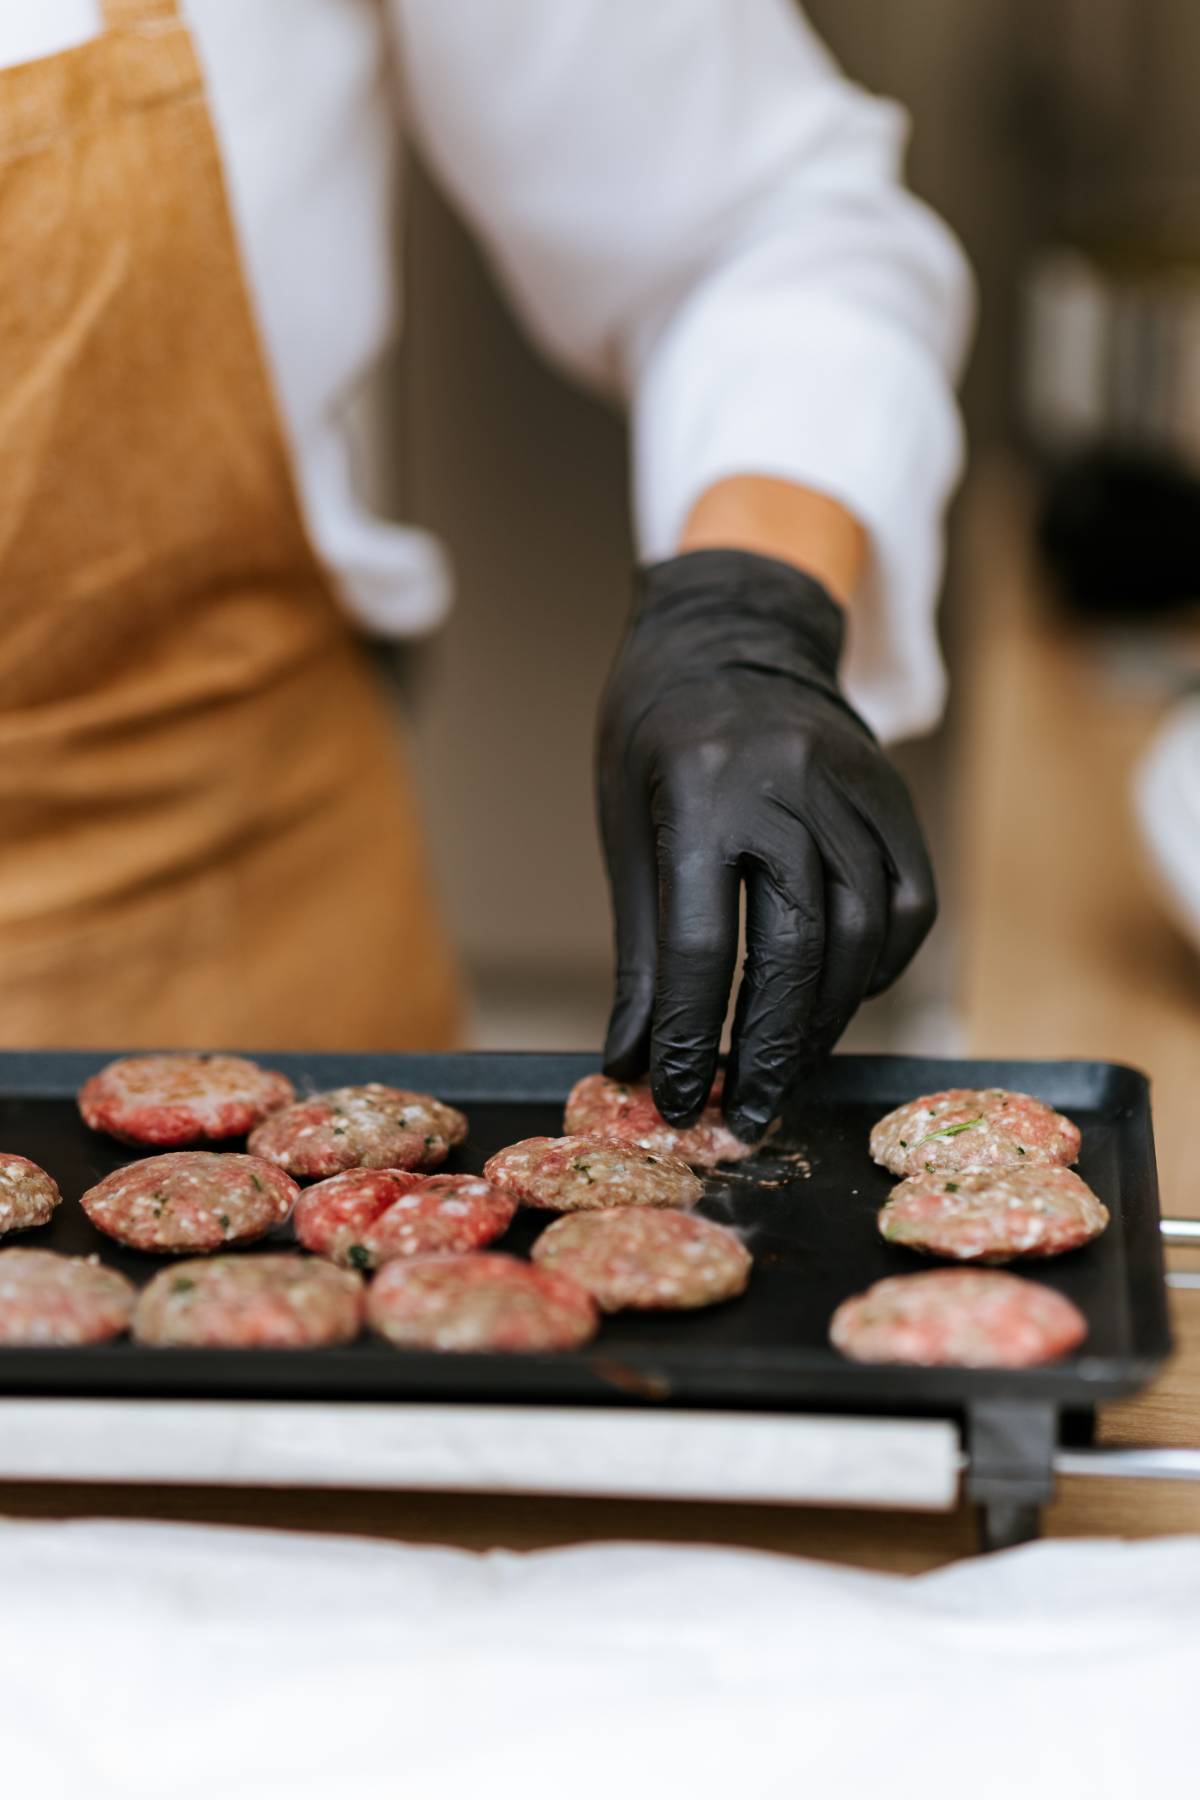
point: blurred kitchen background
(1061, 139)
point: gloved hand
(728, 754)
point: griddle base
(1011, 1446)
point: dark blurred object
(1110, 386)
(1119, 532)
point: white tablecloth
(172, 1662)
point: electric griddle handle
(1131, 1462)
(1181, 1234)
(1137, 1462)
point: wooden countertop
(1065, 952)
(1065, 947)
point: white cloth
(689, 206)
(150, 1661)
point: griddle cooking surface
(807, 1207)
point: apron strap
(127, 15)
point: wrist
(784, 521)
(736, 606)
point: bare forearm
(779, 518)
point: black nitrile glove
(727, 754)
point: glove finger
(781, 981)
(912, 897)
(857, 900)
(697, 952)
(633, 880)
(856, 918)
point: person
(209, 835)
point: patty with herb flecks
(478, 1303)
(583, 1174)
(190, 1200)
(972, 1128)
(626, 1110)
(251, 1303)
(180, 1098)
(994, 1215)
(47, 1300)
(365, 1217)
(366, 1127)
(646, 1257)
(975, 1318)
(28, 1196)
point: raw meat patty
(365, 1217)
(47, 1299)
(626, 1110)
(369, 1127)
(181, 1099)
(251, 1303)
(28, 1196)
(972, 1128)
(478, 1303)
(191, 1200)
(976, 1318)
(630, 1256)
(584, 1174)
(995, 1215)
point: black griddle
(807, 1205)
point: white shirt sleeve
(689, 205)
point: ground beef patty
(28, 1196)
(626, 1110)
(995, 1215)
(633, 1257)
(181, 1099)
(368, 1127)
(47, 1299)
(975, 1318)
(251, 1303)
(972, 1128)
(365, 1217)
(191, 1200)
(478, 1303)
(585, 1174)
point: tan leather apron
(206, 834)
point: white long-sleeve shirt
(688, 205)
